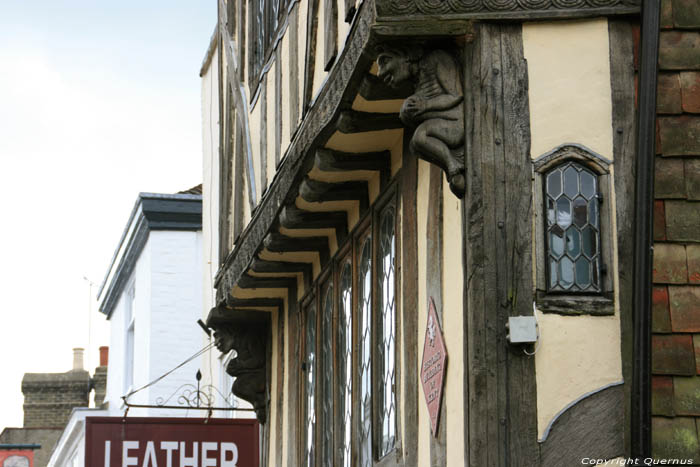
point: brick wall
(49, 398)
(676, 276)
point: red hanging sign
(433, 367)
(170, 442)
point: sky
(99, 100)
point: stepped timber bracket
(435, 110)
(247, 335)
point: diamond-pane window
(572, 229)
(327, 380)
(386, 340)
(344, 346)
(310, 387)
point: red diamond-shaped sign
(433, 366)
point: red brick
(666, 14)
(686, 13)
(660, 316)
(662, 396)
(686, 395)
(670, 265)
(674, 438)
(696, 345)
(668, 94)
(668, 172)
(679, 50)
(690, 92)
(682, 220)
(679, 135)
(684, 304)
(693, 253)
(672, 354)
(659, 221)
(692, 178)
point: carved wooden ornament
(433, 367)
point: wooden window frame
(575, 303)
(350, 251)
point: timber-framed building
(382, 175)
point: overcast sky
(99, 100)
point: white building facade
(152, 297)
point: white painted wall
(168, 300)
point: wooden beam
(316, 191)
(278, 243)
(292, 217)
(352, 121)
(335, 161)
(330, 23)
(256, 282)
(261, 265)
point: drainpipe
(643, 247)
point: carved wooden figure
(436, 108)
(248, 366)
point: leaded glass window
(310, 387)
(345, 364)
(572, 229)
(365, 327)
(327, 379)
(386, 329)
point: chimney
(99, 380)
(49, 398)
(78, 359)
(104, 355)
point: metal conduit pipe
(643, 246)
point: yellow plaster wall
(422, 220)
(271, 122)
(570, 102)
(569, 80)
(287, 87)
(255, 135)
(453, 326)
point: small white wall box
(522, 330)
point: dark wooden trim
(644, 199)
(279, 118)
(264, 146)
(259, 265)
(335, 161)
(623, 120)
(591, 427)
(279, 429)
(293, 70)
(279, 243)
(294, 358)
(315, 191)
(311, 39)
(260, 282)
(517, 290)
(239, 183)
(330, 23)
(513, 10)
(409, 290)
(501, 387)
(352, 121)
(292, 217)
(234, 302)
(433, 274)
(576, 305)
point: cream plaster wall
(422, 221)
(271, 124)
(569, 80)
(287, 89)
(453, 325)
(570, 102)
(255, 135)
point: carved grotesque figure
(248, 366)
(436, 108)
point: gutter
(19, 447)
(643, 227)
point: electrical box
(522, 330)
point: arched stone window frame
(574, 303)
